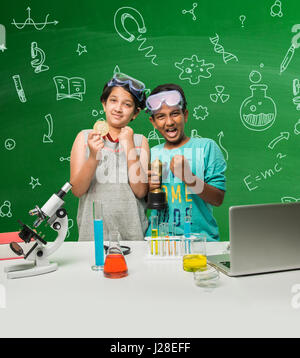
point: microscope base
(20, 271)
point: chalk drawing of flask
(258, 112)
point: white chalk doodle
(192, 11)
(227, 56)
(47, 137)
(192, 69)
(297, 127)
(5, 209)
(215, 97)
(73, 87)
(34, 182)
(81, 49)
(30, 22)
(296, 90)
(276, 9)
(62, 159)
(200, 112)
(291, 50)
(220, 138)
(252, 182)
(242, 19)
(120, 16)
(290, 199)
(70, 225)
(2, 38)
(153, 136)
(275, 141)
(194, 134)
(19, 88)
(10, 144)
(39, 57)
(258, 112)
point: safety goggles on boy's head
(136, 87)
(170, 98)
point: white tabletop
(156, 299)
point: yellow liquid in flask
(194, 262)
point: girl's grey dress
(122, 211)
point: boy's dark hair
(171, 87)
(107, 91)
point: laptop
(263, 238)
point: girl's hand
(95, 144)
(126, 135)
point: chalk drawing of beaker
(258, 112)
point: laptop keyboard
(226, 263)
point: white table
(157, 299)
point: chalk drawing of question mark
(242, 19)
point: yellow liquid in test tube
(154, 235)
(194, 262)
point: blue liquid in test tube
(187, 226)
(99, 244)
(187, 233)
(98, 235)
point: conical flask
(115, 265)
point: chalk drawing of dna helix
(227, 56)
(119, 23)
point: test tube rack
(172, 247)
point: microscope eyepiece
(63, 191)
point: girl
(113, 169)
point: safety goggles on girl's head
(136, 87)
(170, 98)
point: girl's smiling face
(119, 108)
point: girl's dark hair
(137, 103)
(171, 87)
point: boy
(193, 168)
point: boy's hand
(180, 167)
(153, 180)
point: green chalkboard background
(231, 45)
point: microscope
(56, 217)
(39, 58)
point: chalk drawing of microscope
(119, 22)
(39, 57)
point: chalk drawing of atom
(192, 69)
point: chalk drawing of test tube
(2, 38)
(119, 22)
(19, 88)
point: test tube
(162, 235)
(187, 226)
(174, 241)
(154, 235)
(98, 235)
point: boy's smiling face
(170, 121)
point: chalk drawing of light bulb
(258, 112)
(125, 13)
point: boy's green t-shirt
(207, 163)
